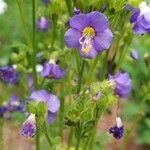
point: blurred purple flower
(9, 75)
(122, 84)
(43, 24)
(51, 100)
(117, 130)
(46, 2)
(29, 127)
(52, 71)
(89, 33)
(140, 18)
(3, 110)
(134, 54)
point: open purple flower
(51, 100)
(52, 71)
(89, 33)
(29, 127)
(140, 18)
(118, 129)
(122, 84)
(9, 75)
(43, 24)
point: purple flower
(46, 2)
(29, 127)
(51, 100)
(52, 71)
(134, 54)
(117, 130)
(122, 84)
(43, 24)
(76, 11)
(140, 18)
(89, 33)
(9, 75)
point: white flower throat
(86, 40)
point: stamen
(85, 40)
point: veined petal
(98, 21)
(53, 103)
(72, 37)
(139, 29)
(79, 22)
(92, 53)
(40, 95)
(103, 40)
(51, 117)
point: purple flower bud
(9, 75)
(134, 54)
(122, 84)
(29, 127)
(52, 71)
(43, 24)
(51, 100)
(76, 11)
(31, 83)
(118, 130)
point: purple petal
(98, 21)
(51, 117)
(145, 20)
(103, 40)
(72, 38)
(92, 53)
(135, 15)
(40, 95)
(79, 22)
(46, 70)
(53, 103)
(138, 29)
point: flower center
(87, 36)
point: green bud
(14, 57)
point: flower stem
(1, 133)
(37, 137)
(70, 137)
(34, 46)
(47, 135)
(80, 75)
(24, 25)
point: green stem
(80, 75)
(88, 81)
(47, 135)
(70, 137)
(34, 45)
(78, 143)
(24, 25)
(1, 134)
(69, 7)
(61, 116)
(37, 137)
